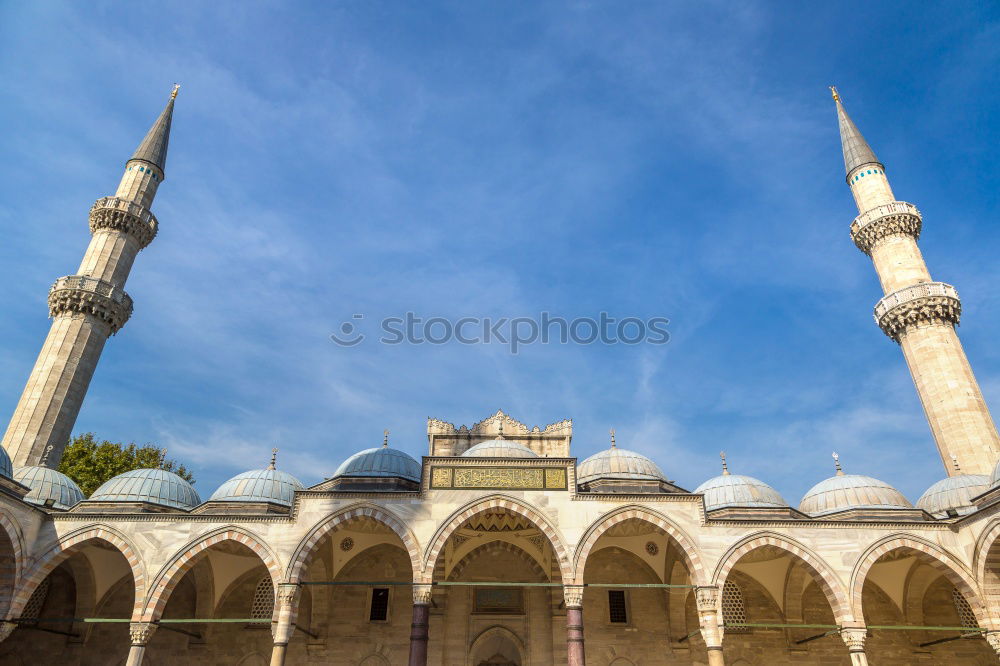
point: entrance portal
(497, 646)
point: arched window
(964, 610)
(734, 611)
(262, 604)
(33, 608)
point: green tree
(90, 462)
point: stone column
(287, 600)
(993, 638)
(6, 629)
(854, 637)
(708, 620)
(140, 633)
(418, 628)
(575, 654)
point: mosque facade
(499, 547)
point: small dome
(156, 486)
(6, 467)
(259, 485)
(738, 490)
(499, 448)
(615, 463)
(48, 484)
(380, 461)
(851, 491)
(953, 493)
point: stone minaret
(917, 312)
(89, 306)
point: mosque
(498, 547)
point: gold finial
(274, 457)
(44, 462)
(173, 93)
(385, 439)
(725, 467)
(836, 463)
(954, 460)
(613, 443)
(833, 91)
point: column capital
(854, 638)
(707, 597)
(573, 596)
(287, 594)
(141, 632)
(993, 638)
(422, 593)
(6, 629)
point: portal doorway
(497, 646)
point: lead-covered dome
(953, 495)
(738, 490)
(616, 463)
(499, 448)
(6, 466)
(851, 491)
(259, 485)
(47, 484)
(156, 486)
(380, 462)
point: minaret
(89, 306)
(917, 312)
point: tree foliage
(90, 462)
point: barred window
(964, 610)
(33, 608)
(734, 611)
(380, 605)
(617, 610)
(262, 605)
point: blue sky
(503, 159)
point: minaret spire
(89, 306)
(857, 152)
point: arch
(482, 505)
(497, 546)
(930, 554)
(689, 554)
(65, 548)
(494, 632)
(10, 571)
(172, 572)
(987, 564)
(308, 544)
(824, 576)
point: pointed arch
(822, 573)
(929, 553)
(685, 545)
(496, 631)
(10, 571)
(482, 505)
(987, 565)
(173, 571)
(308, 544)
(498, 546)
(65, 547)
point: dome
(6, 467)
(259, 485)
(953, 493)
(738, 490)
(380, 461)
(851, 491)
(615, 463)
(499, 448)
(156, 486)
(995, 478)
(48, 484)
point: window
(617, 609)
(498, 600)
(380, 605)
(734, 611)
(964, 610)
(33, 608)
(262, 604)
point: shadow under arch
(12, 557)
(928, 553)
(306, 547)
(493, 503)
(821, 572)
(498, 546)
(685, 546)
(496, 640)
(173, 571)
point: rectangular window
(380, 605)
(617, 611)
(498, 600)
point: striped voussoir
(305, 550)
(493, 504)
(692, 560)
(821, 572)
(497, 547)
(169, 577)
(10, 567)
(929, 554)
(63, 550)
(988, 568)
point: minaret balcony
(924, 303)
(892, 219)
(82, 294)
(126, 216)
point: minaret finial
(725, 467)
(833, 91)
(500, 433)
(613, 443)
(385, 438)
(173, 93)
(836, 463)
(274, 458)
(44, 462)
(954, 461)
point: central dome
(156, 486)
(499, 448)
(615, 463)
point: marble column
(418, 628)
(708, 621)
(575, 654)
(140, 633)
(287, 602)
(854, 638)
